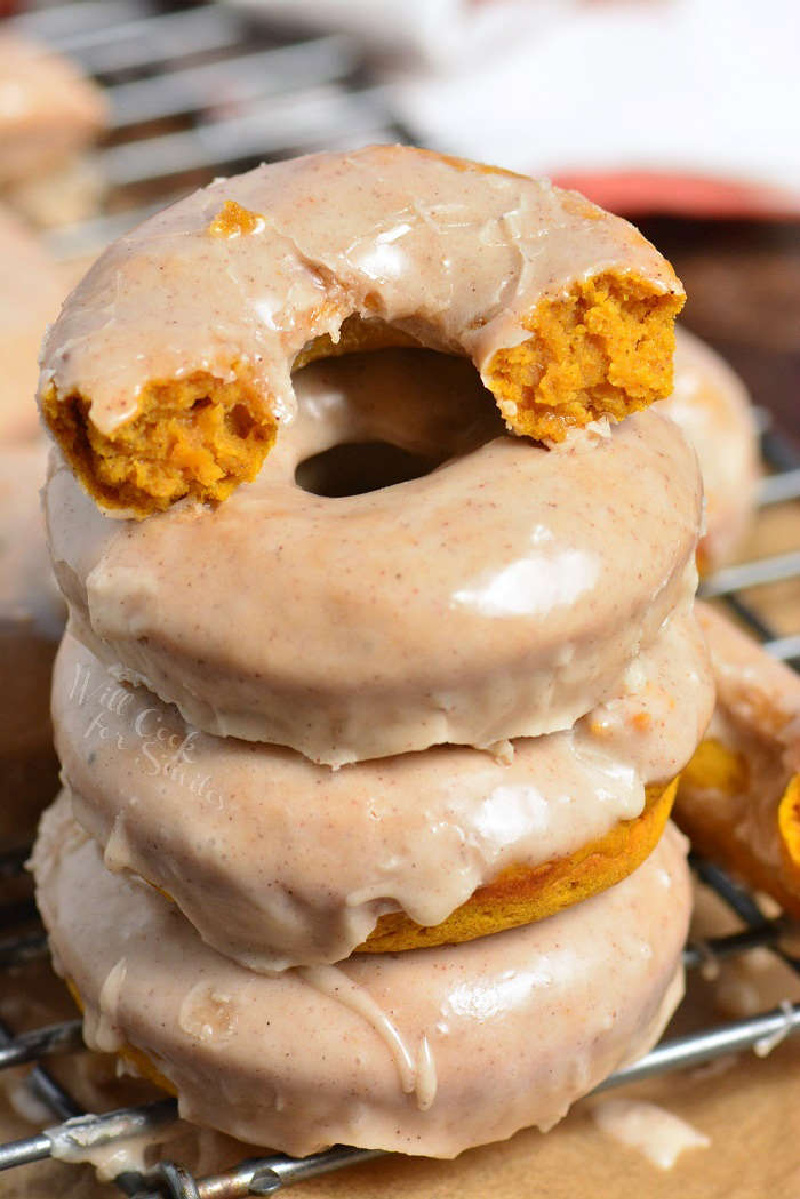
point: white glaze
(518, 1025)
(502, 595)
(277, 861)
(657, 1133)
(450, 252)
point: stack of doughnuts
(380, 668)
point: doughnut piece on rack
(738, 796)
(333, 644)
(168, 372)
(256, 844)
(427, 1053)
(711, 405)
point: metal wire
(238, 96)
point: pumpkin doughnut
(168, 372)
(491, 598)
(738, 798)
(427, 1052)
(256, 844)
(713, 409)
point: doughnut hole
(354, 468)
(604, 350)
(198, 437)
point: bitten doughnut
(318, 623)
(168, 372)
(739, 798)
(278, 862)
(428, 1052)
(711, 405)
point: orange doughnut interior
(524, 894)
(605, 348)
(519, 895)
(193, 436)
(711, 821)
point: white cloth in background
(580, 88)
(438, 34)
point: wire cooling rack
(196, 90)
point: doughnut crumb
(198, 437)
(233, 220)
(604, 350)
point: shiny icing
(494, 1035)
(501, 595)
(31, 291)
(277, 861)
(454, 254)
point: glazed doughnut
(738, 797)
(256, 844)
(31, 620)
(168, 372)
(711, 405)
(30, 295)
(316, 623)
(427, 1052)
(49, 114)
